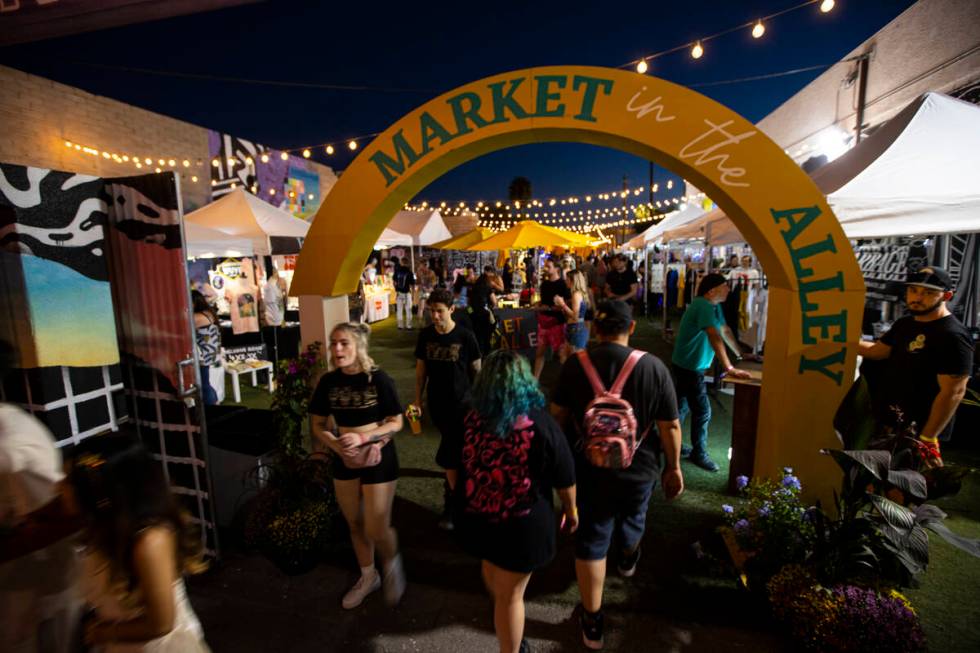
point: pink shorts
(551, 332)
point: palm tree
(519, 189)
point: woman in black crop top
(356, 405)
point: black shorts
(450, 426)
(384, 472)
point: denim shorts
(577, 334)
(608, 509)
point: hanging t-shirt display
(242, 294)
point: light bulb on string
(284, 156)
(642, 67)
(758, 30)
(329, 149)
(265, 158)
(826, 6)
(352, 145)
(697, 51)
(306, 153)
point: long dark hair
(120, 491)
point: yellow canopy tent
(528, 233)
(464, 241)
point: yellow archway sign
(816, 290)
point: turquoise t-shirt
(692, 350)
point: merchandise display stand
(236, 372)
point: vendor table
(376, 307)
(235, 373)
(745, 423)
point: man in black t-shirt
(551, 319)
(447, 357)
(621, 283)
(929, 362)
(616, 500)
(404, 286)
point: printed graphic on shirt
(246, 305)
(436, 352)
(347, 397)
(497, 481)
(918, 343)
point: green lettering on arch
(392, 167)
(502, 102)
(592, 85)
(432, 128)
(544, 96)
(462, 115)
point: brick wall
(38, 115)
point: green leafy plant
(769, 525)
(294, 388)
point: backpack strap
(624, 374)
(597, 388)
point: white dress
(187, 635)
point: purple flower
(727, 509)
(742, 526)
(292, 367)
(741, 481)
(791, 481)
(765, 509)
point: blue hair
(504, 390)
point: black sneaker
(705, 463)
(627, 564)
(591, 625)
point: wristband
(926, 438)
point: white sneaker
(395, 582)
(364, 586)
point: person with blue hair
(513, 455)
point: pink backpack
(610, 438)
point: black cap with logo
(931, 277)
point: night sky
(417, 50)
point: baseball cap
(613, 316)
(930, 277)
(709, 282)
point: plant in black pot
(292, 518)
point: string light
(265, 158)
(697, 51)
(194, 178)
(284, 156)
(329, 149)
(642, 67)
(758, 30)
(306, 153)
(352, 145)
(185, 162)
(826, 6)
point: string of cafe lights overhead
(758, 29)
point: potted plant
(292, 517)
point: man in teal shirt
(702, 335)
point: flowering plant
(770, 524)
(294, 388)
(845, 617)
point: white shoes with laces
(364, 586)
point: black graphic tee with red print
(504, 509)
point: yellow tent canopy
(528, 233)
(464, 241)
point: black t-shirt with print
(919, 352)
(550, 290)
(620, 282)
(649, 390)
(503, 497)
(354, 400)
(449, 359)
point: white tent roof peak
(239, 213)
(423, 227)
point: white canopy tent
(241, 214)
(688, 213)
(201, 242)
(919, 173)
(414, 228)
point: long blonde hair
(359, 332)
(579, 284)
